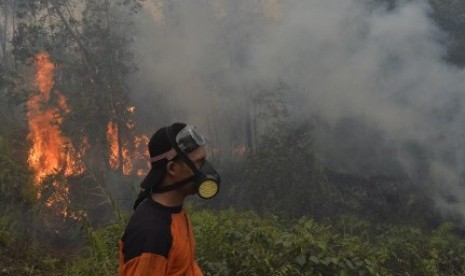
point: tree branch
(92, 66)
(73, 34)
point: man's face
(183, 171)
(197, 156)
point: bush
(101, 253)
(243, 243)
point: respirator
(205, 179)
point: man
(158, 239)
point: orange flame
(132, 154)
(141, 154)
(239, 150)
(127, 161)
(50, 151)
(131, 109)
(112, 138)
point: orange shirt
(158, 240)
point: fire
(141, 155)
(239, 150)
(50, 152)
(130, 156)
(131, 109)
(112, 138)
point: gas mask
(205, 179)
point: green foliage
(6, 235)
(101, 252)
(20, 256)
(231, 243)
(243, 243)
(16, 186)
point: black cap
(158, 144)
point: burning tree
(50, 152)
(80, 121)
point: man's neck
(169, 199)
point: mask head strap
(184, 157)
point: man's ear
(171, 168)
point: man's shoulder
(149, 218)
(148, 231)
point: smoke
(373, 80)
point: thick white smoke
(348, 61)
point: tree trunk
(250, 128)
(4, 35)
